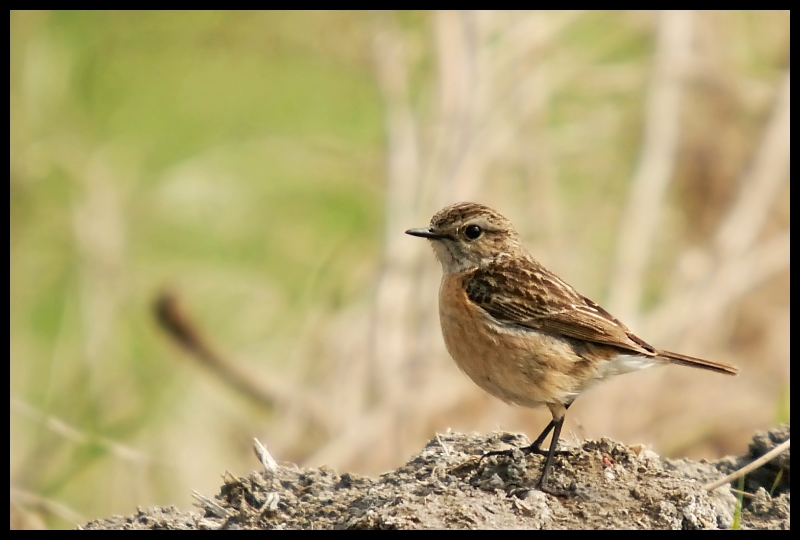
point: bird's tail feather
(691, 361)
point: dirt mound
(447, 485)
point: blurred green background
(245, 159)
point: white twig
(270, 468)
(750, 467)
(445, 449)
(263, 455)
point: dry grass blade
(43, 504)
(71, 433)
(264, 456)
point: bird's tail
(691, 361)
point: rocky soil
(448, 486)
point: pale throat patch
(451, 263)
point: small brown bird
(519, 331)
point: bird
(519, 331)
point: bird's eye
(473, 232)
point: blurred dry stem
(269, 392)
(728, 283)
(98, 218)
(761, 183)
(661, 135)
(390, 336)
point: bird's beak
(425, 232)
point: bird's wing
(524, 294)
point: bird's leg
(536, 446)
(548, 463)
(559, 413)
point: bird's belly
(524, 367)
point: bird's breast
(518, 366)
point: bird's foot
(532, 449)
(557, 492)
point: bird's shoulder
(517, 283)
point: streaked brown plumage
(519, 331)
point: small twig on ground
(749, 468)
